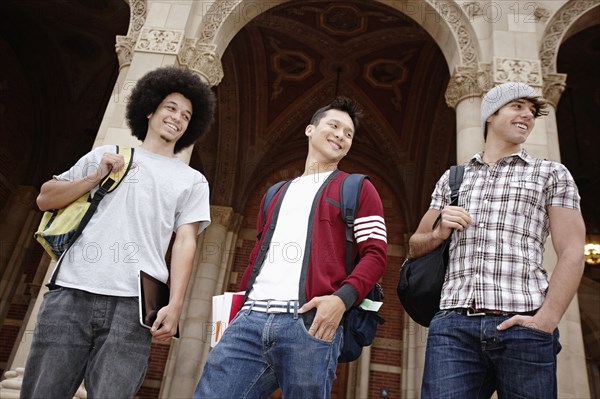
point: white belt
(272, 306)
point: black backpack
(422, 278)
(360, 325)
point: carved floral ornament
(512, 70)
(474, 82)
(125, 44)
(556, 29)
(563, 19)
(203, 59)
(158, 40)
(467, 82)
(455, 19)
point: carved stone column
(464, 93)
(209, 277)
(203, 59)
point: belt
(272, 306)
(472, 312)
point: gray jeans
(83, 336)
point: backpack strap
(109, 183)
(349, 194)
(269, 197)
(455, 180)
(112, 181)
(262, 254)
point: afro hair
(152, 89)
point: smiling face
(331, 139)
(171, 118)
(513, 122)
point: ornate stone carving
(454, 17)
(473, 9)
(554, 85)
(511, 70)
(464, 83)
(158, 40)
(214, 17)
(484, 77)
(556, 29)
(203, 59)
(541, 14)
(124, 44)
(124, 49)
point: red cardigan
(324, 263)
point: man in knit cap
(497, 327)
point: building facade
(420, 69)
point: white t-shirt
(279, 276)
(133, 225)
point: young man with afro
(88, 326)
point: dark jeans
(260, 352)
(467, 357)
(83, 336)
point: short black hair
(539, 103)
(155, 86)
(340, 103)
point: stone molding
(203, 59)
(557, 28)
(453, 15)
(473, 9)
(125, 44)
(541, 13)
(554, 85)
(517, 70)
(213, 19)
(468, 81)
(159, 40)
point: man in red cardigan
(287, 334)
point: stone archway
(416, 151)
(573, 17)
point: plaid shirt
(497, 262)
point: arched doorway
(287, 62)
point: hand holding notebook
(153, 296)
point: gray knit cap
(501, 95)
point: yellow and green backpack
(60, 228)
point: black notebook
(153, 295)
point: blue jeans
(467, 357)
(83, 336)
(260, 352)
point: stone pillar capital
(124, 50)
(203, 59)
(554, 85)
(125, 44)
(466, 82)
